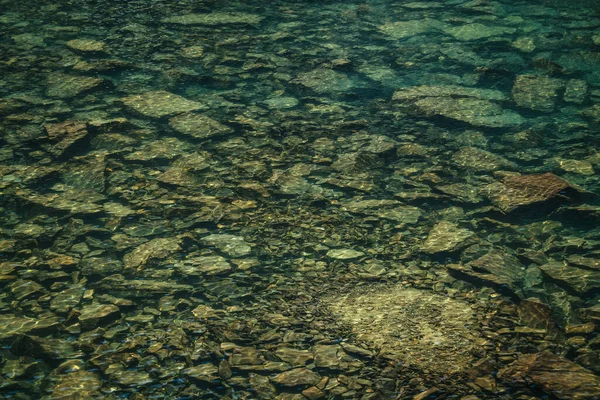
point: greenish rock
(198, 126)
(178, 176)
(140, 287)
(579, 280)
(417, 92)
(231, 245)
(554, 375)
(11, 325)
(536, 92)
(461, 192)
(476, 31)
(294, 357)
(576, 91)
(94, 314)
(65, 86)
(473, 111)
(44, 348)
(471, 105)
(160, 104)
(496, 267)
(281, 103)
(204, 372)
(403, 215)
(71, 201)
(86, 45)
(215, 18)
(209, 266)
(246, 356)
(418, 327)
(77, 385)
(446, 236)
(24, 288)
(155, 249)
(406, 29)
(323, 80)
(328, 356)
(297, 377)
(67, 299)
(167, 148)
(131, 378)
(344, 254)
(476, 159)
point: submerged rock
(297, 377)
(554, 375)
(477, 159)
(538, 93)
(66, 86)
(233, 246)
(86, 45)
(154, 249)
(406, 29)
(477, 31)
(325, 81)
(446, 236)
(159, 104)
(579, 280)
(522, 190)
(91, 315)
(471, 105)
(198, 126)
(496, 267)
(77, 384)
(417, 327)
(215, 18)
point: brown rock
(522, 190)
(553, 374)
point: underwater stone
(576, 91)
(198, 126)
(535, 92)
(323, 80)
(497, 267)
(294, 357)
(477, 31)
(66, 86)
(405, 29)
(203, 372)
(159, 104)
(215, 18)
(67, 299)
(522, 190)
(167, 148)
(554, 375)
(91, 315)
(158, 248)
(579, 280)
(11, 325)
(344, 254)
(77, 384)
(210, 266)
(86, 46)
(297, 377)
(446, 236)
(233, 246)
(417, 327)
(477, 159)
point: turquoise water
(299, 200)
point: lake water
(299, 200)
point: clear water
(299, 200)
